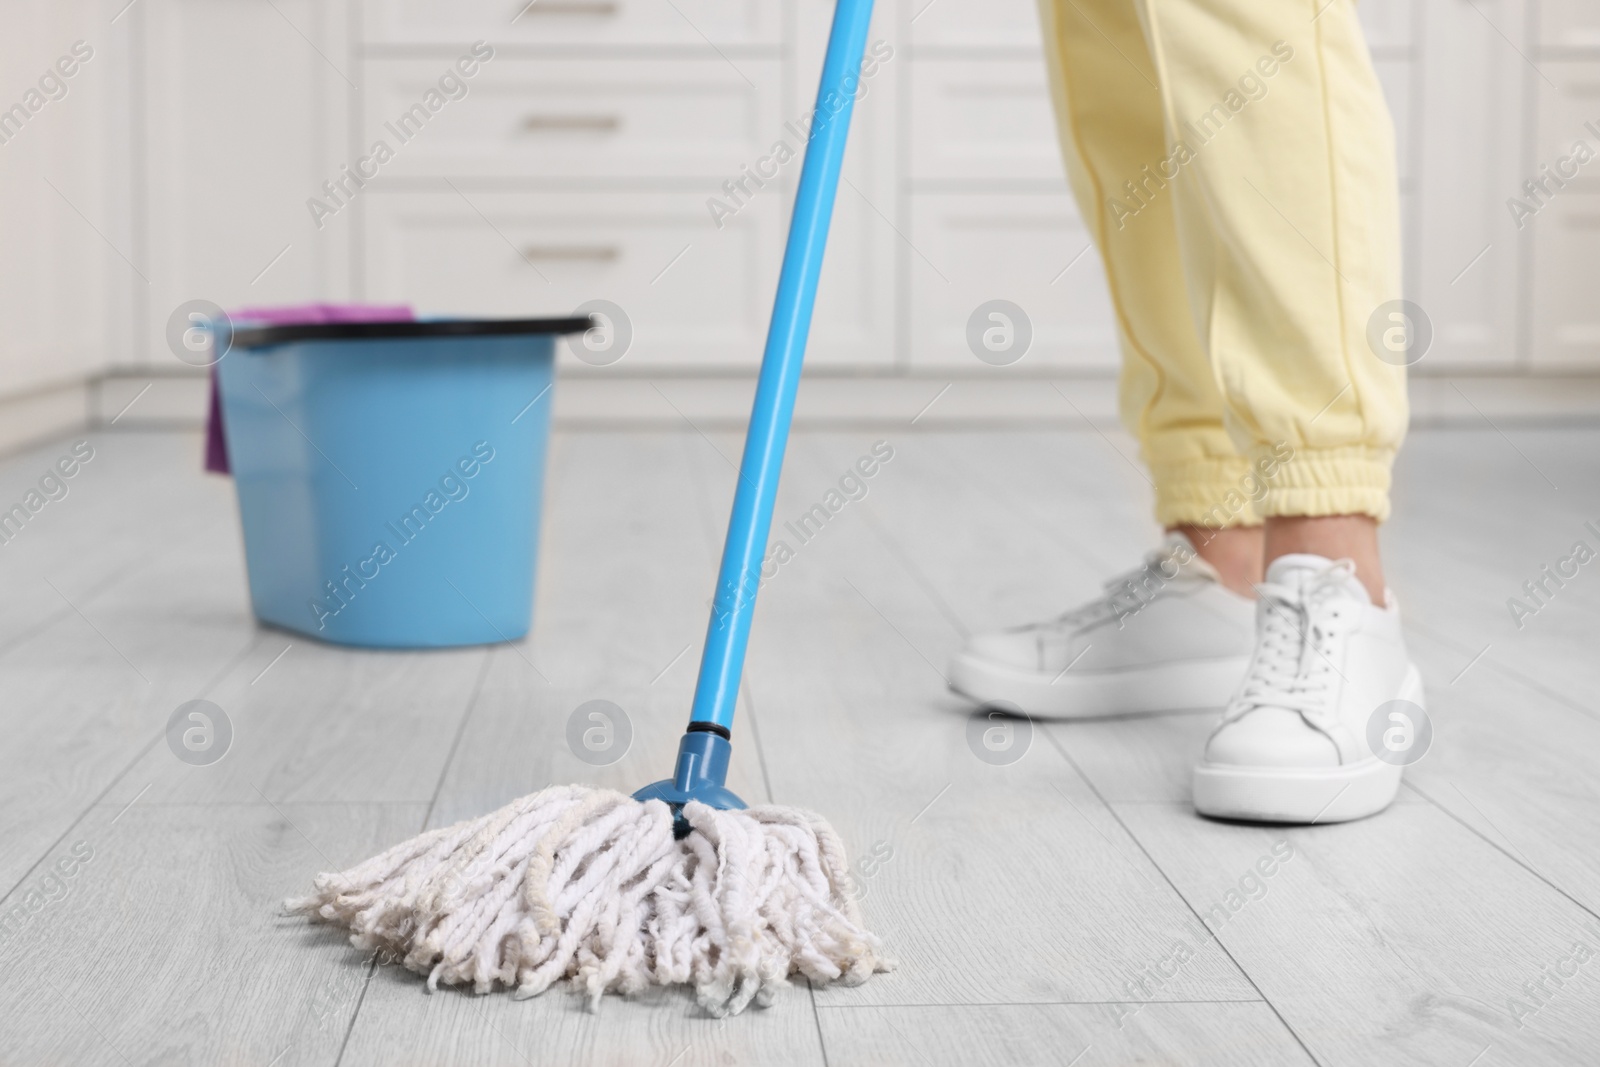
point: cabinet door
(244, 105)
(858, 295)
(983, 120)
(1387, 23)
(968, 24)
(69, 262)
(1467, 251)
(1032, 250)
(1565, 233)
(1565, 312)
(1395, 75)
(1568, 128)
(1569, 23)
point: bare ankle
(1236, 553)
(1353, 537)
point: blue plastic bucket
(390, 475)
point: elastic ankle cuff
(1336, 481)
(1214, 491)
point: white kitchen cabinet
(1564, 236)
(1568, 117)
(1562, 241)
(1566, 278)
(1030, 249)
(1465, 255)
(974, 24)
(694, 295)
(597, 167)
(242, 105)
(1396, 75)
(1388, 24)
(987, 120)
(69, 266)
(1569, 24)
(587, 23)
(859, 294)
(542, 117)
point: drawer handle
(598, 123)
(584, 253)
(592, 8)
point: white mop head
(589, 886)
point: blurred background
(184, 158)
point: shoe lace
(1162, 565)
(1293, 666)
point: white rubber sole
(1177, 686)
(1302, 795)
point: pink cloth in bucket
(293, 315)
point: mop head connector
(592, 888)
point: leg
(1352, 537)
(1286, 204)
(1235, 552)
(1240, 553)
(1285, 196)
(1109, 114)
(1176, 632)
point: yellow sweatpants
(1235, 162)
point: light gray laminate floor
(1034, 907)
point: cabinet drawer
(853, 323)
(1007, 247)
(1386, 23)
(695, 295)
(1395, 77)
(1566, 261)
(856, 307)
(1569, 23)
(579, 22)
(974, 23)
(983, 119)
(568, 118)
(1563, 111)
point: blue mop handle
(717, 689)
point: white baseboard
(138, 400)
(1523, 399)
(824, 401)
(43, 412)
(130, 398)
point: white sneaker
(1165, 636)
(1292, 746)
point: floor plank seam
(1486, 839)
(918, 578)
(99, 799)
(178, 805)
(755, 736)
(816, 1017)
(111, 582)
(372, 969)
(1045, 1003)
(444, 773)
(880, 531)
(1217, 937)
(461, 729)
(1504, 671)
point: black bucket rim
(270, 336)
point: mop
(680, 883)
